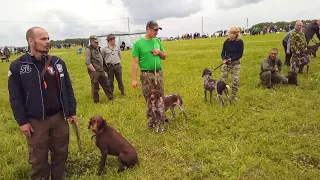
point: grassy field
(267, 135)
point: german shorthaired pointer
(218, 85)
(109, 141)
(298, 64)
(160, 104)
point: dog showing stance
(312, 50)
(292, 78)
(160, 104)
(218, 85)
(109, 141)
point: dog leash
(155, 64)
(77, 133)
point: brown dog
(160, 104)
(109, 141)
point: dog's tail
(227, 86)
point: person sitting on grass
(270, 70)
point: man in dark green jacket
(270, 70)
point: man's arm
(223, 51)
(103, 53)
(16, 96)
(120, 54)
(135, 66)
(266, 66)
(71, 97)
(88, 59)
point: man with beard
(43, 102)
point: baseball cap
(153, 25)
(110, 37)
(94, 37)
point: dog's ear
(102, 124)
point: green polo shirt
(142, 49)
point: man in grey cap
(148, 54)
(112, 57)
(95, 65)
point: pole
(128, 25)
(201, 26)
(247, 23)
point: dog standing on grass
(210, 84)
(160, 104)
(312, 50)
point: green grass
(267, 135)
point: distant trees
(281, 24)
(77, 41)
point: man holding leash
(231, 54)
(270, 70)
(298, 46)
(112, 57)
(148, 54)
(42, 100)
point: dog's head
(206, 72)
(97, 124)
(292, 78)
(155, 95)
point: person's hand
(135, 83)
(74, 119)
(276, 69)
(156, 52)
(26, 129)
(288, 52)
(298, 52)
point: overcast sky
(81, 18)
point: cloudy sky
(81, 18)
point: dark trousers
(268, 78)
(99, 77)
(288, 56)
(52, 135)
(115, 71)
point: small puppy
(160, 104)
(292, 78)
(210, 84)
(109, 141)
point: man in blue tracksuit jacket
(42, 99)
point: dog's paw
(121, 169)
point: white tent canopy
(128, 38)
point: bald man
(298, 46)
(42, 100)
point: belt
(151, 71)
(109, 64)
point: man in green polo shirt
(148, 54)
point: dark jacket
(94, 57)
(25, 90)
(232, 49)
(313, 28)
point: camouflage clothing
(234, 66)
(298, 63)
(148, 83)
(298, 44)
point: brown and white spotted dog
(160, 104)
(298, 63)
(210, 84)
